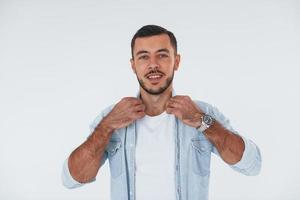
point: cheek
(141, 68)
(167, 64)
(142, 63)
(169, 68)
(140, 73)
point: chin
(155, 88)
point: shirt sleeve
(67, 179)
(250, 163)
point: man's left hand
(185, 109)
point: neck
(156, 104)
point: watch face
(208, 120)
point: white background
(62, 62)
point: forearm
(229, 145)
(84, 161)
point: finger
(139, 115)
(174, 104)
(131, 103)
(136, 101)
(169, 110)
(174, 111)
(139, 107)
(132, 100)
(180, 98)
(127, 98)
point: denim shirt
(192, 159)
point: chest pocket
(201, 152)
(114, 152)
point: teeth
(154, 76)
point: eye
(143, 57)
(163, 55)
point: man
(158, 144)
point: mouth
(154, 78)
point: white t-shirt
(155, 157)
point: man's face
(154, 63)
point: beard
(159, 90)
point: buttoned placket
(130, 152)
(177, 161)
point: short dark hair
(151, 30)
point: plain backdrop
(62, 62)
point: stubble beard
(159, 90)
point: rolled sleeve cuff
(251, 160)
(67, 179)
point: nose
(153, 64)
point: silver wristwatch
(206, 122)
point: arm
(84, 162)
(230, 146)
(250, 162)
(241, 154)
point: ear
(132, 65)
(177, 61)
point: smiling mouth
(154, 76)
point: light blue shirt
(192, 161)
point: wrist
(102, 132)
(100, 137)
(206, 122)
(198, 120)
(106, 126)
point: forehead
(153, 43)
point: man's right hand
(124, 113)
(84, 161)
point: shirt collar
(139, 92)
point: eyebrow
(141, 52)
(163, 50)
(160, 50)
